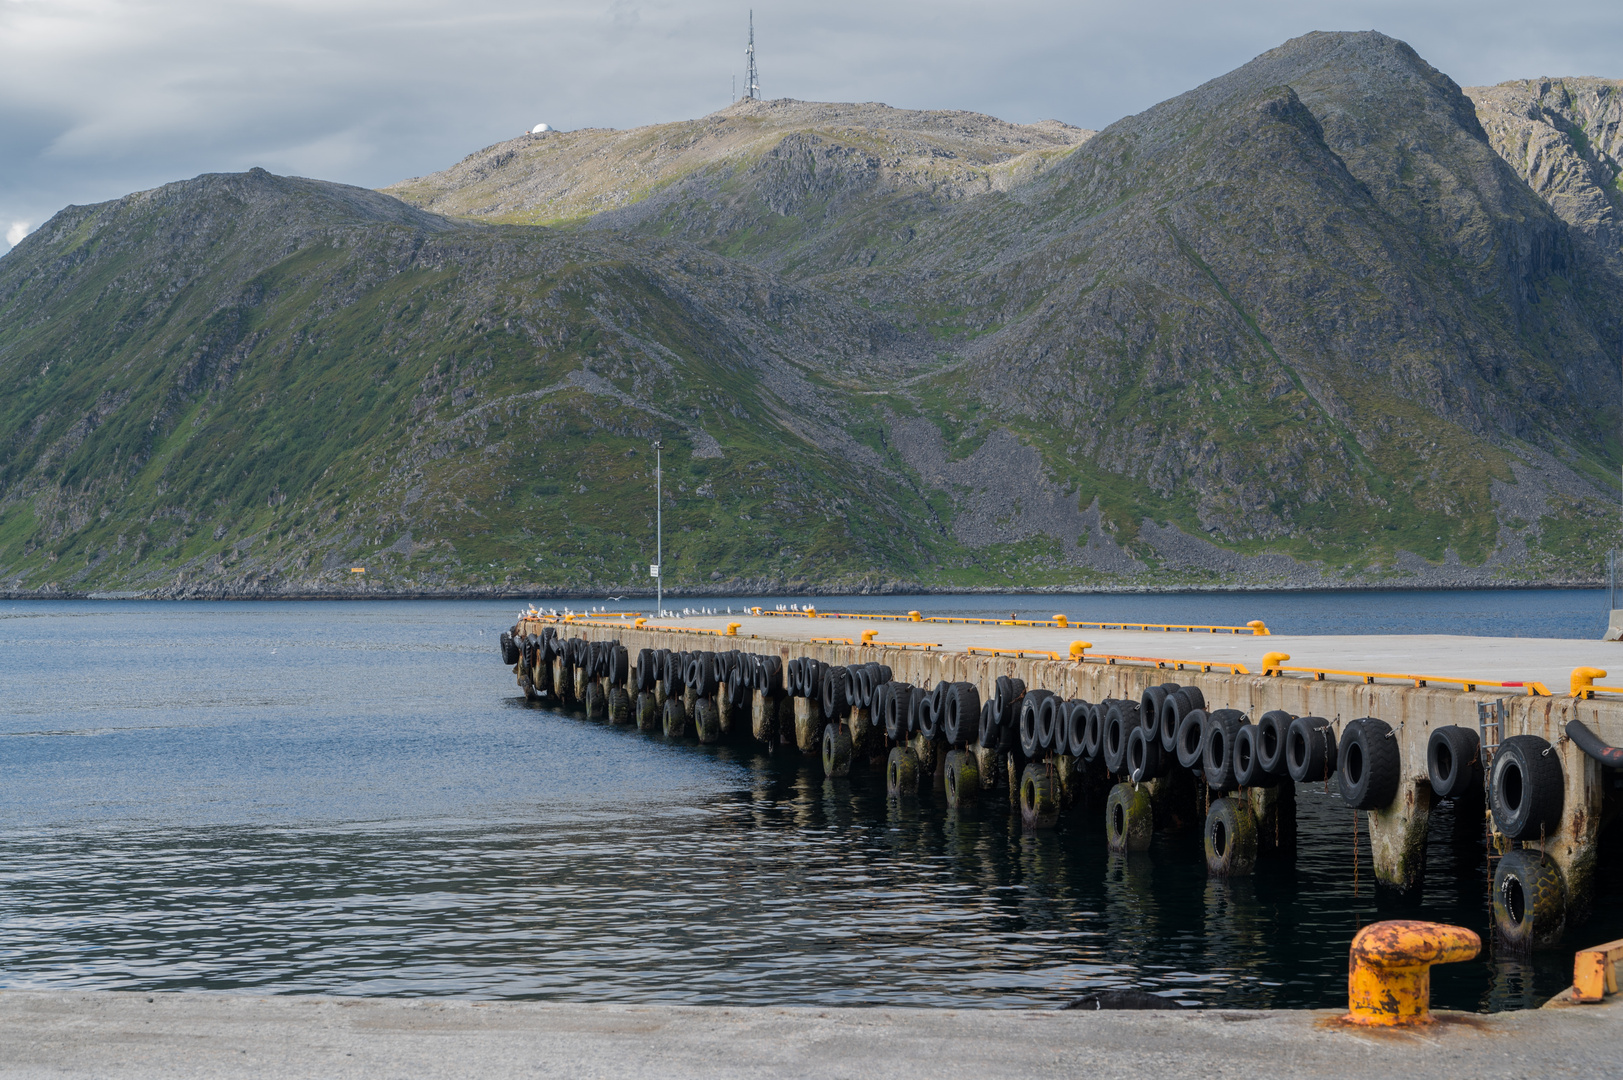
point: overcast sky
(102, 97)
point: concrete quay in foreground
(1367, 710)
(179, 1036)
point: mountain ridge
(1308, 324)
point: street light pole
(659, 531)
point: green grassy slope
(1300, 325)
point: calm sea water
(351, 798)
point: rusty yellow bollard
(1389, 969)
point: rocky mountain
(1564, 137)
(1323, 320)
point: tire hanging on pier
(1093, 731)
(1145, 759)
(1076, 728)
(1217, 751)
(1248, 770)
(1454, 761)
(1191, 739)
(1310, 749)
(1525, 789)
(1050, 732)
(1368, 768)
(1120, 719)
(1006, 698)
(1273, 730)
(1173, 709)
(1031, 706)
(961, 725)
(1529, 900)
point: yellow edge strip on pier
(1273, 664)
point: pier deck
(1546, 660)
(133, 1036)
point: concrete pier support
(563, 677)
(1397, 836)
(1274, 809)
(582, 681)
(1575, 845)
(932, 760)
(726, 713)
(808, 726)
(863, 734)
(764, 718)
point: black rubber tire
(1525, 791)
(962, 778)
(1039, 801)
(896, 702)
(1049, 730)
(510, 651)
(1173, 710)
(1310, 749)
(988, 734)
(1093, 731)
(912, 708)
(1368, 768)
(962, 725)
(1150, 703)
(619, 705)
(902, 773)
(647, 711)
(1454, 761)
(1120, 719)
(1129, 819)
(1145, 759)
(675, 718)
(1217, 748)
(929, 722)
(1031, 706)
(1076, 728)
(1248, 770)
(836, 750)
(1006, 698)
(707, 720)
(833, 693)
(1197, 700)
(1230, 838)
(1529, 900)
(1191, 738)
(1273, 730)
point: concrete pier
(1354, 678)
(136, 1036)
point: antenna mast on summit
(752, 81)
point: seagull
(616, 598)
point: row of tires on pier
(1158, 754)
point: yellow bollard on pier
(1389, 969)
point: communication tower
(752, 81)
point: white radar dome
(539, 128)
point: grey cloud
(102, 97)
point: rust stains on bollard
(1389, 969)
